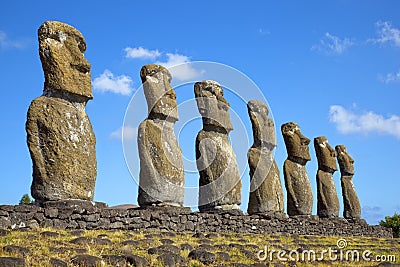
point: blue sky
(332, 67)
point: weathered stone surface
(213, 107)
(4, 232)
(171, 259)
(57, 263)
(161, 167)
(87, 260)
(161, 177)
(60, 137)
(162, 219)
(266, 193)
(61, 49)
(296, 143)
(203, 256)
(75, 205)
(351, 203)
(115, 260)
(297, 183)
(21, 251)
(223, 256)
(160, 96)
(136, 261)
(263, 126)
(219, 184)
(12, 262)
(124, 206)
(327, 199)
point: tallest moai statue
(60, 137)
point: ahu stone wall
(91, 215)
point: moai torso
(266, 195)
(297, 183)
(161, 178)
(351, 203)
(219, 184)
(60, 137)
(327, 199)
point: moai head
(212, 105)
(346, 163)
(61, 49)
(326, 155)
(296, 143)
(160, 97)
(263, 126)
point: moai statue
(352, 207)
(60, 137)
(220, 184)
(161, 178)
(266, 195)
(327, 199)
(297, 183)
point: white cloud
(387, 33)
(129, 133)
(107, 82)
(140, 52)
(174, 62)
(5, 42)
(331, 44)
(348, 122)
(390, 77)
(179, 70)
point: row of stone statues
(62, 143)
(161, 174)
(299, 193)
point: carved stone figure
(297, 183)
(352, 207)
(220, 184)
(266, 195)
(327, 199)
(161, 178)
(60, 137)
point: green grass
(42, 248)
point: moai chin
(297, 183)
(327, 199)
(219, 184)
(266, 195)
(60, 137)
(161, 177)
(351, 203)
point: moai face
(212, 105)
(61, 49)
(296, 143)
(346, 163)
(326, 155)
(263, 126)
(160, 97)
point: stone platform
(97, 215)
